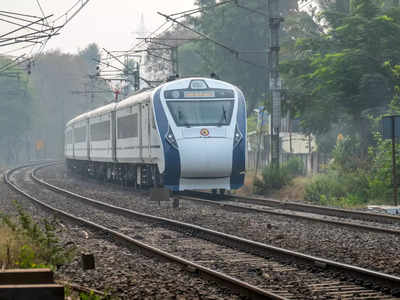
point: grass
(26, 243)
(247, 188)
(293, 191)
(10, 245)
(17, 250)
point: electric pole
(274, 80)
(174, 59)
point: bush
(346, 154)
(338, 189)
(295, 166)
(272, 179)
(34, 244)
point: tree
(339, 76)
(91, 56)
(15, 107)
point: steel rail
(245, 209)
(362, 275)
(242, 287)
(329, 211)
(310, 208)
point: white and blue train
(183, 135)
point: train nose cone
(205, 157)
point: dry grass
(292, 192)
(247, 188)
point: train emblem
(204, 132)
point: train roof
(134, 99)
(76, 119)
(184, 83)
(101, 110)
(141, 96)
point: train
(186, 134)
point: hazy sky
(111, 24)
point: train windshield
(201, 113)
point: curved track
(310, 275)
(242, 287)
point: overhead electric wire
(16, 49)
(200, 9)
(28, 35)
(25, 26)
(17, 24)
(18, 14)
(41, 10)
(31, 37)
(231, 50)
(249, 9)
(153, 32)
(83, 4)
(11, 62)
(14, 65)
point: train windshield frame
(188, 113)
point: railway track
(235, 204)
(289, 275)
(315, 209)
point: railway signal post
(391, 130)
(274, 80)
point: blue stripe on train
(172, 172)
(239, 152)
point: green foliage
(338, 74)
(295, 166)
(347, 154)
(43, 248)
(27, 258)
(276, 178)
(272, 179)
(90, 296)
(16, 102)
(380, 178)
(238, 29)
(337, 189)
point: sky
(112, 24)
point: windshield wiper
(223, 120)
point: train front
(202, 127)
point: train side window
(80, 134)
(128, 126)
(153, 121)
(100, 131)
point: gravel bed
(375, 251)
(264, 273)
(124, 273)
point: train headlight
(237, 138)
(171, 138)
(175, 94)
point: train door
(87, 139)
(145, 128)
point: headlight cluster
(171, 138)
(238, 137)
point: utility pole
(174, 59)
(274, 80)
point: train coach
(185, 134)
